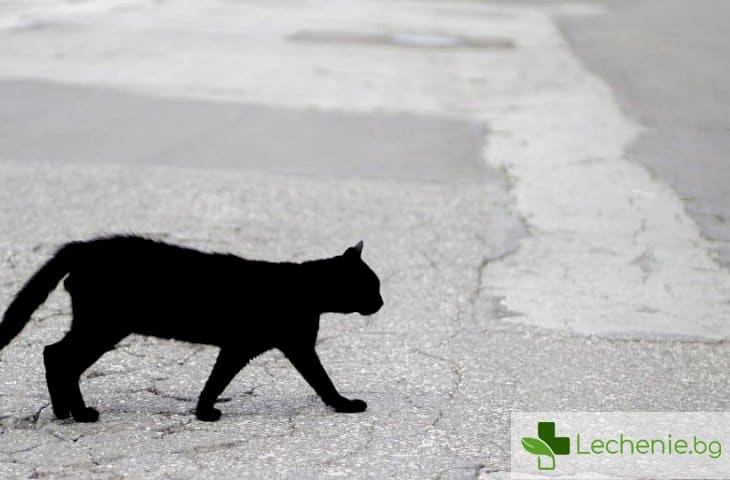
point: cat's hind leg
(56, 379)
(65, 361)
(228, 364)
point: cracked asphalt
(440, 367)
(439, 184)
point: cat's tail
(35, 292)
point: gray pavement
(258, 172)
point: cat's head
(357, 286)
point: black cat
(125, 284)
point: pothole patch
(402, 39)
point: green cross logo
(546, 445)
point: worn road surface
(493, 164)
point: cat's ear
(358, 247)
(356, 250)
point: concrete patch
(42, 121)
(611, 250)
(680, 93)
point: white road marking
(610, 249)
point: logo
(631, 445)
(546, 445)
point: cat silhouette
(121, 285)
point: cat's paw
(350, 406)
(85, 415)
(208, 414)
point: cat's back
(132, 250)
(150, 260)
(157, 269)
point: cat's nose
(375, 307)
(380, 303)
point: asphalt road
(500, 191)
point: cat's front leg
(307, 363)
